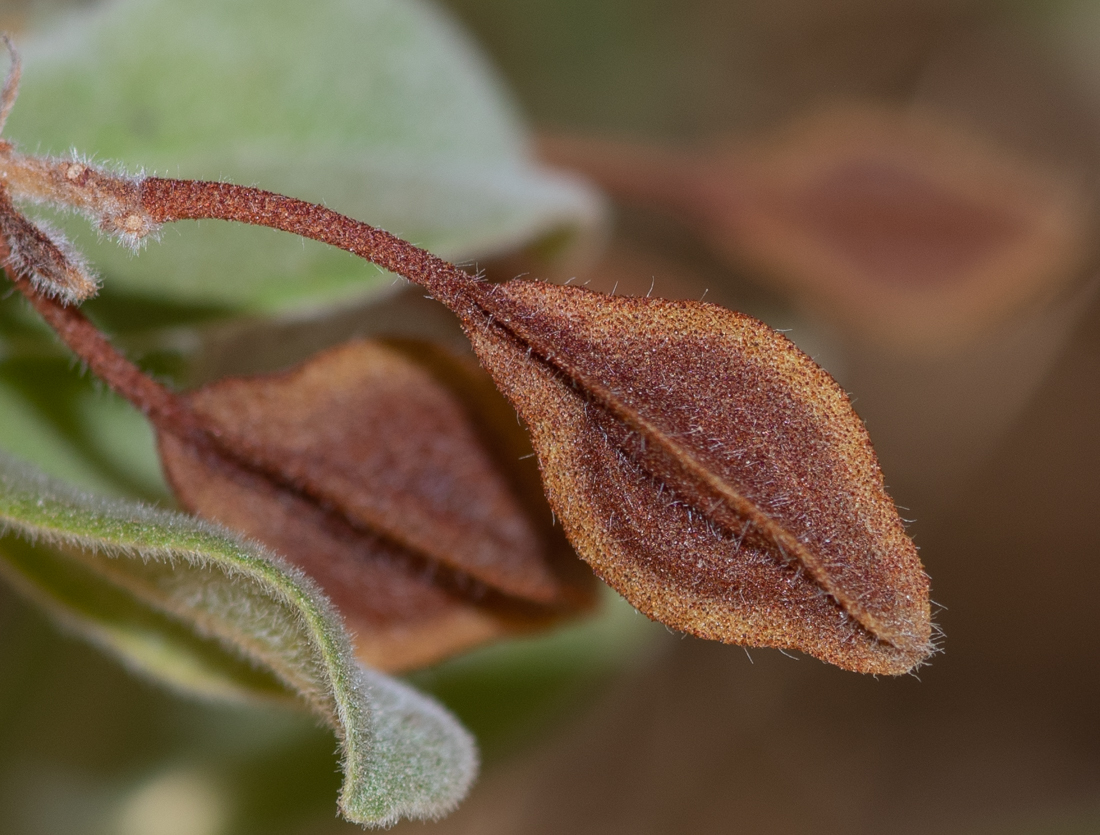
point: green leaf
(194, 606)
(381, 109)
(77, 430)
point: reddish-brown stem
(169, 200)
(164, 408)
(166, 200)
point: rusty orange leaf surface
(709, 471)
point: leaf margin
(379, 722)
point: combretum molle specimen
(702, 465)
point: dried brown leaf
(915, 232)
(709, 471)
(373, 479)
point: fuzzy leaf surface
(192, 605)
(367, 470)
(709, 471)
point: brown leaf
(709, 471)
(912, 231)
(372, 477)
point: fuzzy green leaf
(198, 608)
(381, 109)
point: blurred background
(909, 190)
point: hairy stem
(168, 411)
(167, 200)
(164, 408)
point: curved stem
(168, 200)
(164, 408)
